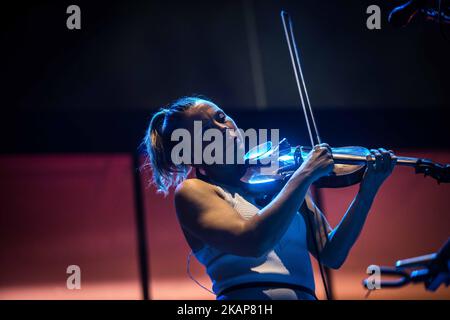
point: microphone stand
(432, 269)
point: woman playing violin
(249, 251)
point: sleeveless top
(288, 262)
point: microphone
(402, 15)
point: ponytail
(157, 145)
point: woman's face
(210, 116)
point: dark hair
(158, 145)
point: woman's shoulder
(192, 184)
(190, 196)
(193, 187)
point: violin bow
(300, 80)
(310, 122)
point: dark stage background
(75, 105)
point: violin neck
(440, 172)
(408, 161)
(361, 160)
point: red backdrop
(60, 210)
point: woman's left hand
(378, 169)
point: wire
(188, 270)
(319, 260)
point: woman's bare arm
(335, 244)
(207, 216)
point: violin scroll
(440, 172)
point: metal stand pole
(141, 229)
(327, 271)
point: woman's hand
(343, 237)
(318, 163)
(378, 169)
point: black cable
(319, 260)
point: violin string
(288, 39)
(303, 82)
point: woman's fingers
(370, 164)
(386, 159)
(393, 159)
(389, 159)
(327, 146)
(378, 159)
(323, 147)
(380, 164)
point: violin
(350, 162)
(349, 167)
